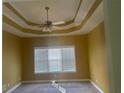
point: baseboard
(96, 86)
(64, 80)
(13, 88)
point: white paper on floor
(61, 89)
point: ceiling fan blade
(58, 23)
(41, 25)
(56, 28)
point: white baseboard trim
(96, 86)
(64, 80)
(13, 88)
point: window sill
(55, 72)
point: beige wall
(98, 57)
(81, 49)
(11, 60)
(91, 59)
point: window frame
(54, 47)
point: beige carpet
(71, 87)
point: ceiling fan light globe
(46, 29)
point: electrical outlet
(96, 80)
(54, 76)
(8, 84)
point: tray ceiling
(79, 16)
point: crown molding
(71, 29)
(17, 13)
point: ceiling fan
(49, 26)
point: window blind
(55, 59)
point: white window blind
(57, 59)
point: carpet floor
(71, 87)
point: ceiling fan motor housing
(49, 23)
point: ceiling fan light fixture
(49, 26)
(47, 29)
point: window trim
(54, 47)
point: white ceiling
(33, 10)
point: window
(55, 59)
